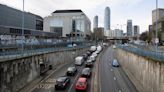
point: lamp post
(156, 33)
(23, 28)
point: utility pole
(156, 35)
(23, 28)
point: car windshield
(61, 79)
(85, 70)
(70, 68)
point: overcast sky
(121, 10)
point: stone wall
(15, 74)
(146, 74)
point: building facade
(107, 21)
(98, 33)
(95, 22)
(68, 23)
(160, 24)
(11, 20)
(116, 33)
(11, 26)
(136, 31)
(129, 28)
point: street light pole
(23, 28)
(156, 35)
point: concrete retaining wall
(15, 74)
(147, 75)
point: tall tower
(95, 22)
(107, 21)
(129, 28)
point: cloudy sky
(121, 10)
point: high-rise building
(129, 28)
(95, 22)
(107, 21)
(160, 23)
(136, 30)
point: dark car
(89, 63)
(71, 71)
(62, 82)
(85, 56)
(86, 72)
(88, 53)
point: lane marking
(114, 78)
(111, 69)
(119, 91)
(73, 82)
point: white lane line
(119, 91)
(111, 69)
(114, 78)
(73, 82)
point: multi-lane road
(48, 84)
(112, 79)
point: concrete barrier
(146, 74)
(16, 73)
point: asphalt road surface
(49, 84)
(113, 79)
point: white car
(114, 46)
(94, 54)
(93, 58)
(79, 60)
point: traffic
(78, 76)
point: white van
(79, 60)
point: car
(79, 60)
(85, 56)
(88, 53)
(62, 82)
(89, 63)
(115, 63)
(71, 71)
(86, 72)
(81, 84)
(94, 54)
(93, 58)
(114, 46)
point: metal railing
(159, 56)
(19, 54)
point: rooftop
(67, 11)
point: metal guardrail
(159, 56)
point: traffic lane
(72, 88)
(107, 78)
(122, 79)
(120, 76)
(48, 84)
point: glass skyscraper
(107, 21)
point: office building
(95, 22)
(129, 28)
(98, 33)
(160, 23)
(116, 33)
(107, 21)
(136, 31)
(68, 23)
(11, 26)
